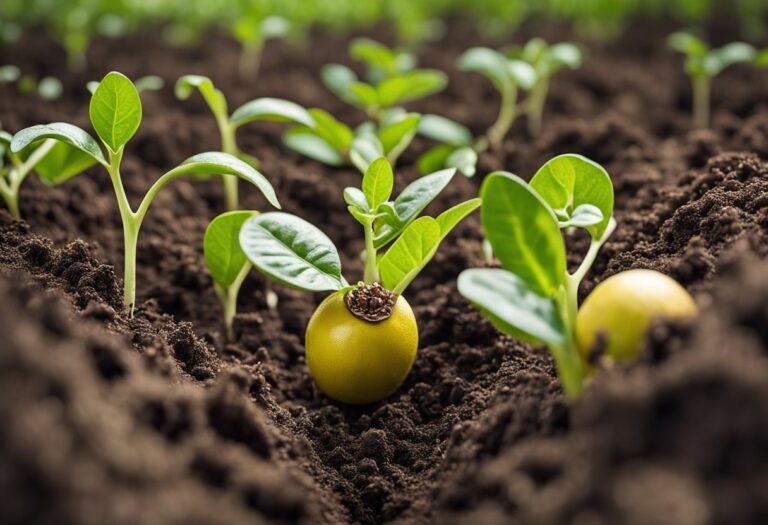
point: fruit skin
(622, 307)
(356, 361)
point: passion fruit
(620, 310)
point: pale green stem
(535, 106)
(11, 187)
(701, 94)
(570, 365)
(228, 145)
(228, 298)
(507, 113)
(371, 274)
(250, 60)
(11, 201)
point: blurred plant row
(74, 23)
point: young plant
(533, 296)
(54, 162)
(252, 29)
(508, 76)
(391, 80)
(702, 64)
(362, 340)
(226, 261)
(47, 88)
(546, 60)
(115, 112)
(269, 109)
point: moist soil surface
(157, 419)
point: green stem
(250, 60)
(507, 113)
(371, 274)
(11, 200)
(229, 145)
(10, 188)
(228, 299)
(535, 106)
(701, 94)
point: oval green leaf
(378, 182)
(62, 163)
(444, 130)
(212, 96)
(273, 109)
(487, 62)
(115, 110)
(305, 141)
(366, 148)
(292, 251)
(568, 181)
(411, 86)
(61, 131)
(512, 306)
(221, 246)
(523, 232)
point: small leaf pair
(533, 297)
(295, 253)
(260, 109)
(115, 112)
(702, 64)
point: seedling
(47, 88)
(54, 162)
(702, 64)
(533, 296)
(362, 340)
(391, 80)
(252, 29)
(546, 60)
(270, 109)
(226, 261)
(115, 112)
(508, 76)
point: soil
(156, 419)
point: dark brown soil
(155, 419)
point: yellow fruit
(621, 308)
(357, 361)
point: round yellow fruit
(357, 361)
(621, 308)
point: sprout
(702, 64)
(115, 112)
(533, 296)
(268, 109)
(508, 76)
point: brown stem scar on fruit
(370, 302)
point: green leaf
(363, 95)
(444, 130)
(521, 73)
(523, 232)
(292, 251)
(9, 73)
(221, 246)
(414, 198)
(115, 110)
(762, 58)
(463, 159)
(225, 164)
(306, 142)
(356, 198)
(272, 109)
(374, 54)
(584, 216)
(61, 131)
(396, 137)
(337, 79)
(729, 54)
(378, 182)
(407, 256)
(414, 85)
(212, 96)
(366, 148)
(413, 250)
(687, 44)
(274, 27)
(564, 55)
(434, 158)
(335, 133)
(62, 163)
(49, 88)
(149, 83)
(512, 306)
(487, 62)
(568, 181)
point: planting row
(362, 340)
